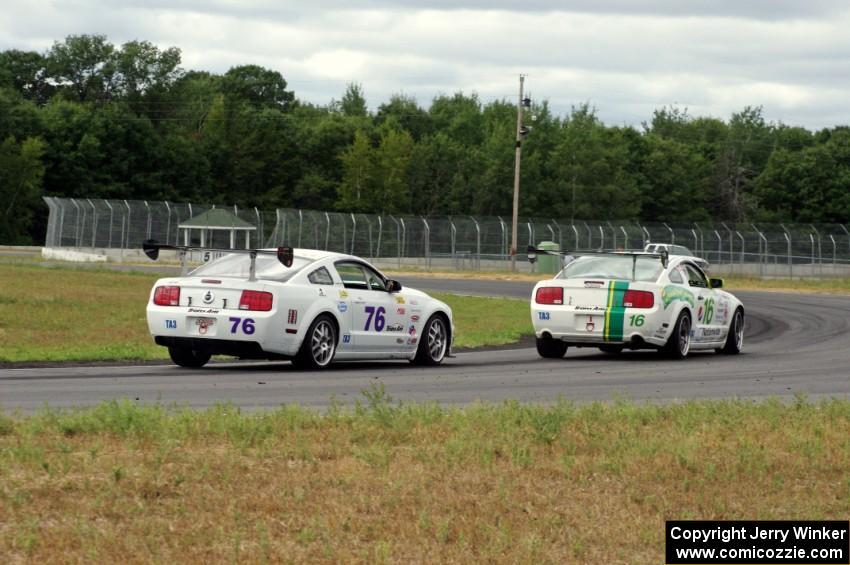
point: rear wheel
(186, 357)
(679, 344)
(319, 345)
(735, 338)
(611, 349)
(549, 348)
(434, 342)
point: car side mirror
(393, 286)
(715, 283)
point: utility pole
(520, 133)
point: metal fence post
(427, 242)
(833, 248)
(763, 249)
(168, 225)
(625, 238)
(848, 238)
(672, 234)
(601, 238)
(125, 244)
(353, 231)
(645, 235)
(820, 255)
(93, 222)
(76, 224)
(701, 240)
(398, 240)
(696, 240)
(613, 235)
(719, 246)
(504, 240)
(380, 230)
(575, 231)
(61, 203)
(327, 229)
(369, 232)
(301, 223)
(453, 237)
(589, 236)
(788, 244)
(51, 221)
(560, 234)
(477, 243)
(743, 253)
(812, 239)
(403, 240)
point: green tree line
(88, 118)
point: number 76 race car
(619, 300)
(312, 307)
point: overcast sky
(624, 57)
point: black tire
(679, 343)
(611, 349)
(549, 348)
(735, 338)
(319, 345)
(433, 343)
(186, 357)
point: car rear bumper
(241, 349)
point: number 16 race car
(634, 300)
(309, 306)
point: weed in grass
(7, 425)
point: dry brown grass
(507, 483)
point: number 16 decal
(378, 314)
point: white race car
(312, 307)
(635, 300)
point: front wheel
(319, 345)
(549, 348)
(735, 338)
(186, 357)
(434, 342)
(679, 344)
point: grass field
(390, 483)
(67, 314)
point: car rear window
(239, 265)
(625, 267)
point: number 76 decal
(247, 325)
(378, 315)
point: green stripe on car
(615, 312)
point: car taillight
(255, 300)
(638, 299)
(167, 296)
(550, 295)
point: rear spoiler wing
(533, 252)
(284, 254)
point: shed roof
(217, 219)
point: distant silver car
(673, 249)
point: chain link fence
(455, 242)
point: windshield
(622, 267)
(239, 265)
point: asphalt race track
(794, 344)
